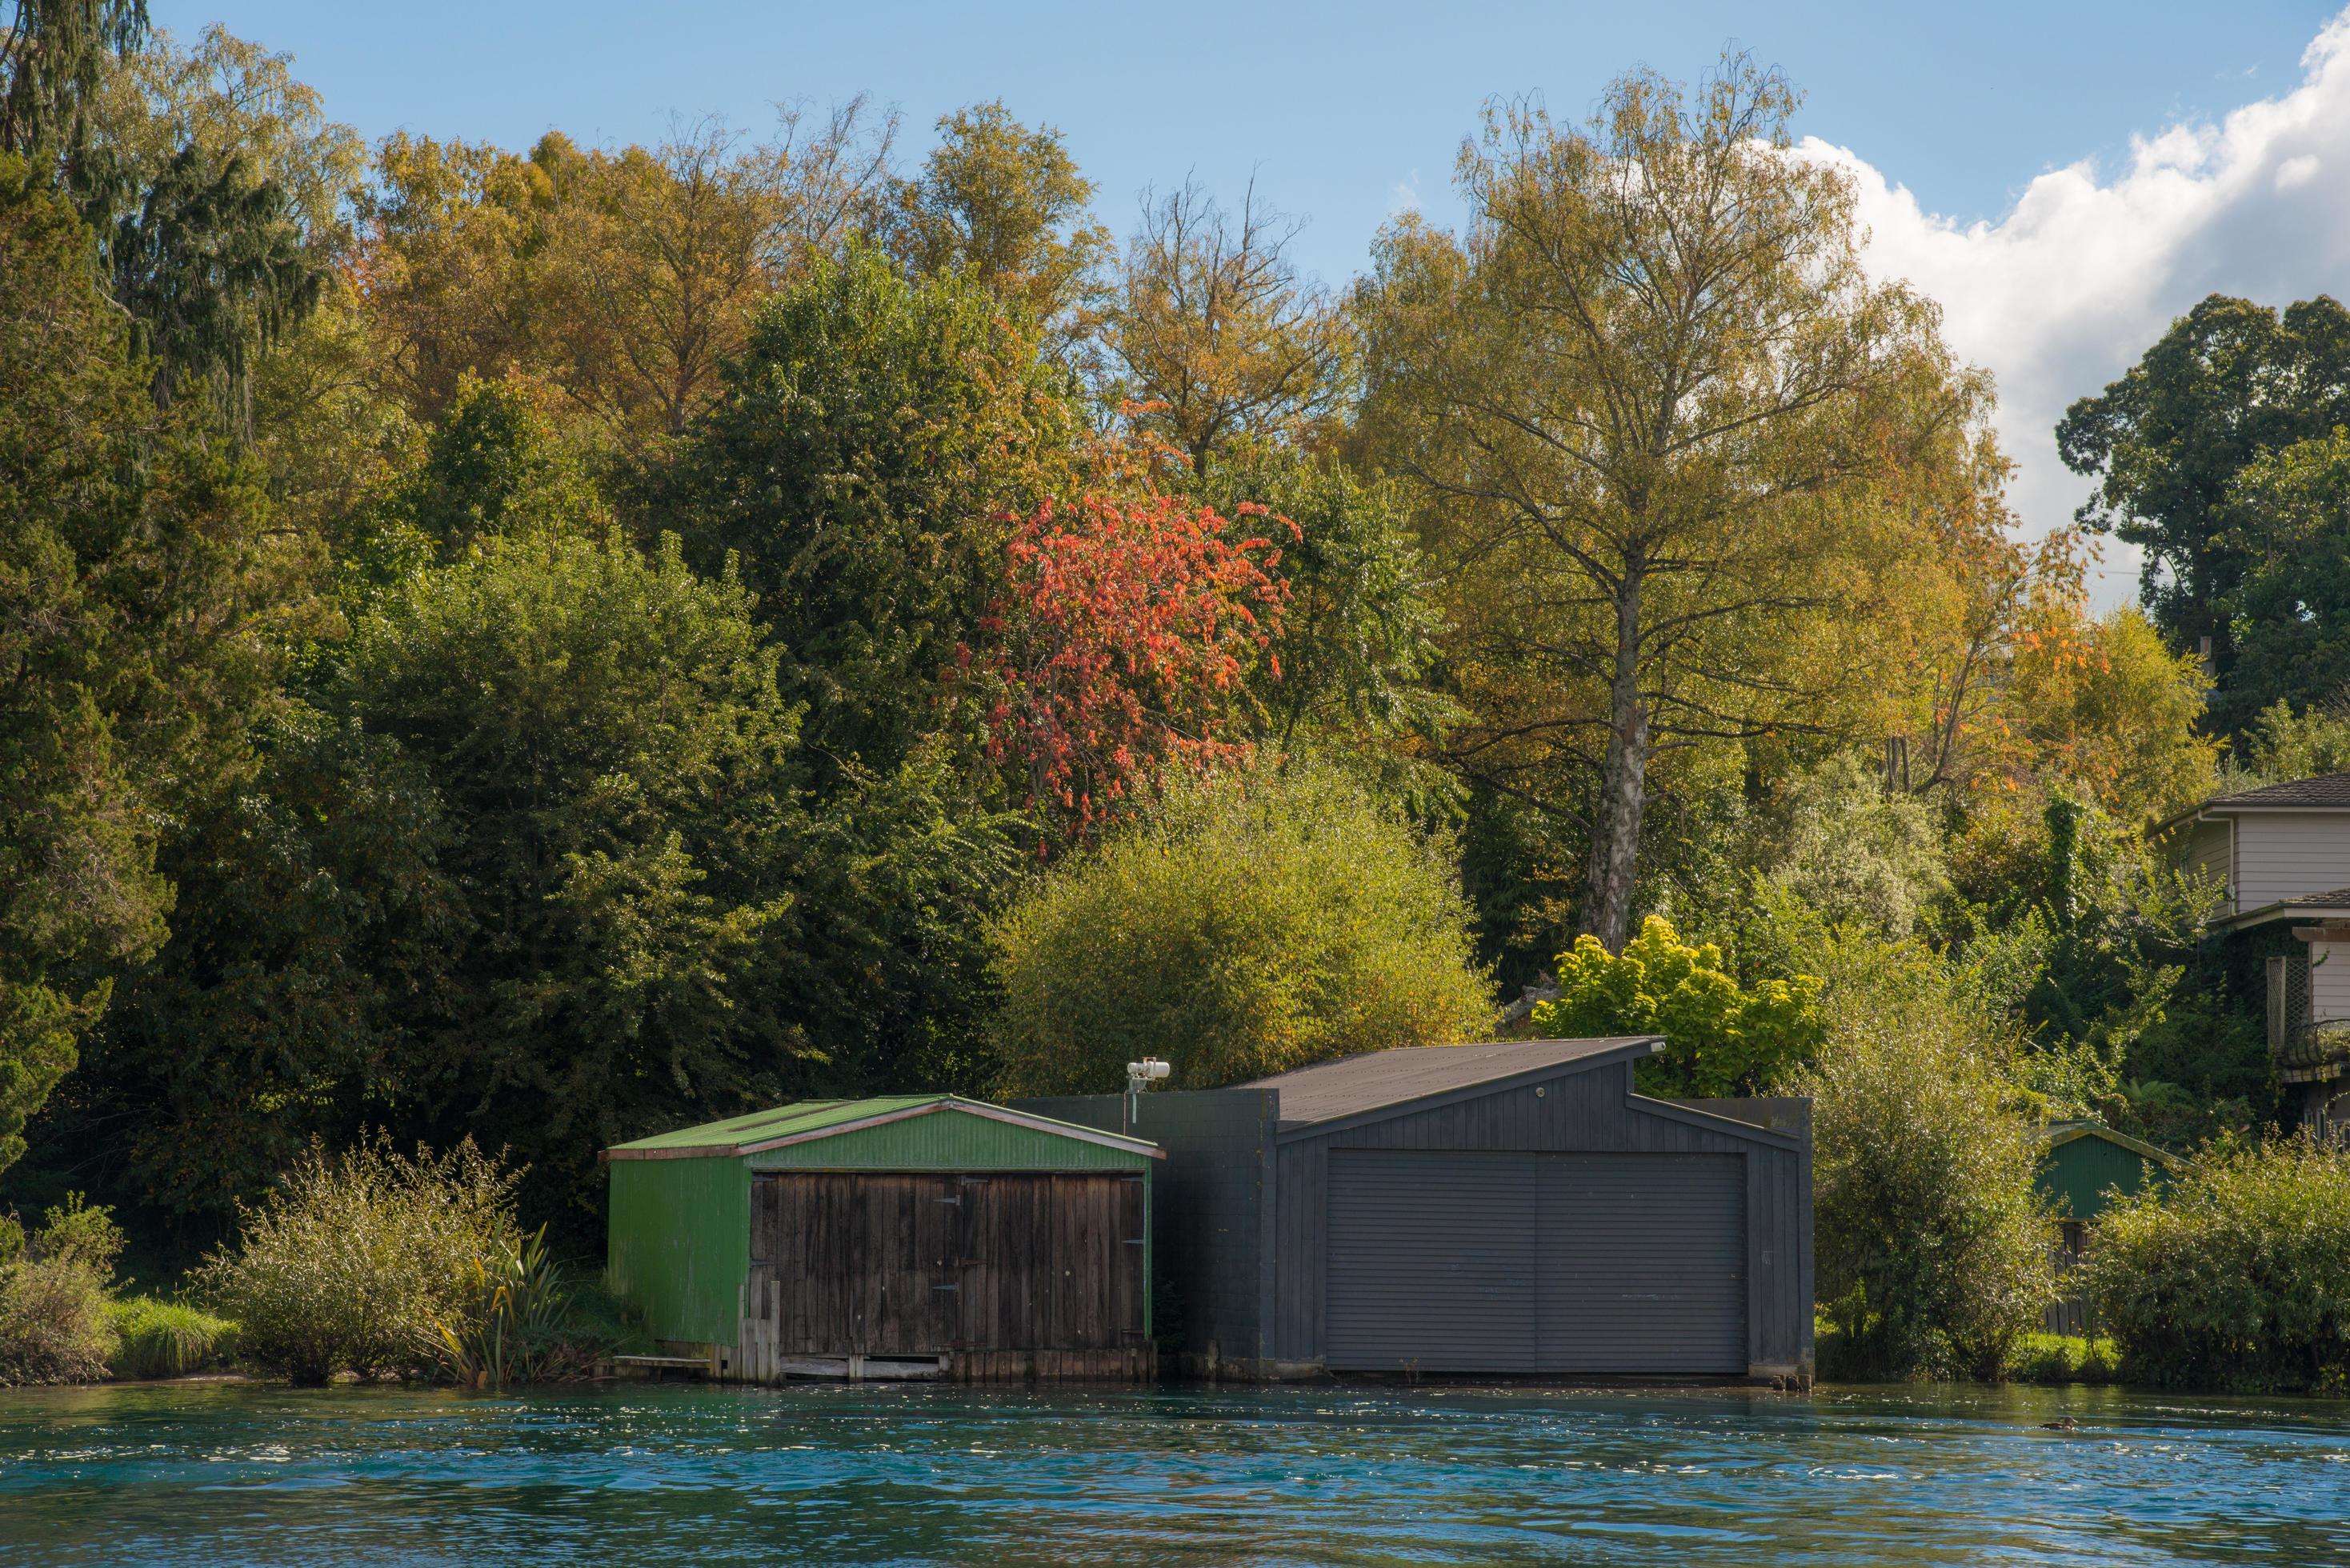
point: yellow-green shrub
(354, 1259)
(54, 1289)
(1721, 1038)
(1245, 925)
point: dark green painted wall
(681, 1245)
(2075, 1175)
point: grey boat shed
(1513, 1207)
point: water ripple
(204, 1474)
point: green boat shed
(924, 1234)
(2084, 1165)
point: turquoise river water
(226, 1473)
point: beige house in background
(2280, 857)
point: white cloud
(1404, 197)
(2065, 292)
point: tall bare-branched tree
(1648, 396)
(1215, 333)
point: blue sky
(2064, 177)
(1337, 107)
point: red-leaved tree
(1122, 641)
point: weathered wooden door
(855, 1264)
(1053, 1261)
(882, 1264)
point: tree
(495, 463)
(1247, 924)
(2285, 743)
(310, 397)
(875, 442)
(1652, 395)
(604, 736)
(453, 263)
(139, 610)
(2100, 700)
(53, 59)
(1122, 643)
(211, 269)
(1720, 1039)
(623, 279)
(1005, 206)
(1215, 336)
(2288, 616)
(1357, 649)
(314, 936)
(1933, 1245)
(1859, 854)
(2229, 381)
(231, 97)
(661, 257)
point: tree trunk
(1623, 785)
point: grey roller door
(1432, 1261)
(1643, 1262)
(1476, 1261)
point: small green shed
(2082, 1164)
(914, 1231)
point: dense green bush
(1245, 926)
(2236, 1275)
(1932, 1244)
(54, 1289)
(1721, 1038)
(156, 1338)
(357, 1257)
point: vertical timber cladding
(909, 1264)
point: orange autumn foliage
(1120, 643)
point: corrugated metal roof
(782, 1121)
(2056, 1135)
(2325, 789)
(1354, 1085)
(804, 1119)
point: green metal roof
(804, 1119)
(2056, 1135)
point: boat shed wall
(1211, 1237)
(1578, 1110)
(2077, 1175)
(679, 1225)
(679, 1246)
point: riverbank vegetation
(2238, 1276)
(512, 650)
